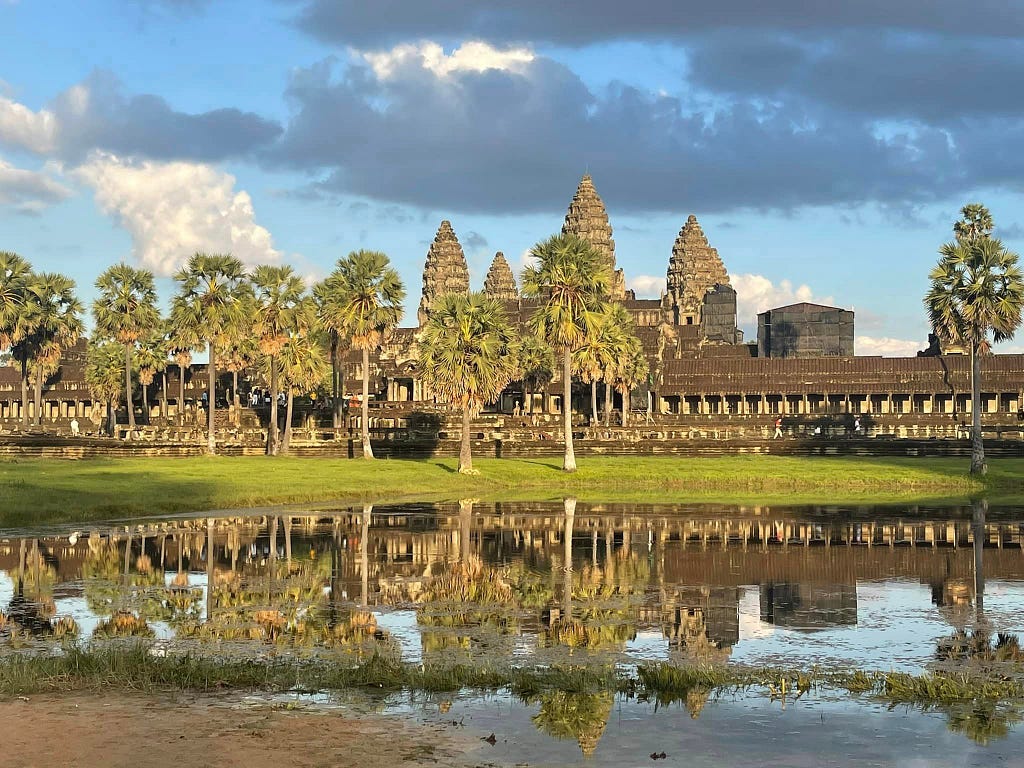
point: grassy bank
(37, 491)
(133, 667)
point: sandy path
(176, 731)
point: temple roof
(445, 270)
(588, 220)
(500, 283)
(694, 268)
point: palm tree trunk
(367, 448)
(234, 397)
(978, 509)
(145, 402)
(211, 436)
(593, 399)
(466, 449)
(272, 426)
(181, 393)
(609, 398)
(625, 404)
(37, 417)
(286, 443)
(128, 388)
(111, 419)
(335, 383)
(978, 466)
(24, 390)
(163, 395)
(569, 463)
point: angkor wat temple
(705, 378)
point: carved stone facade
(588, 220)
(445, 270)
(693, 269)
(500, 283)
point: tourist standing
(778, 428)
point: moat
(543, 585)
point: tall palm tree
(363, 304)
(104, 377)
(976, 294)
(466, 357)
(55, 325)
(126, 312)
(15, 273)
(975, 223)
(630, 370)
(327, 296)
(278, 293)
(151, 359)
(210, 299)
(597, 357)
(535, 366)
(569, 280)
(302, 360)
(240, 349)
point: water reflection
(876, 588)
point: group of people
(259, 396)
(858, 428)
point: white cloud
(29, 191)
(647, 286)
(886, 347)
(473, 56)
(175, 209)
(21, 127)
(756, 293)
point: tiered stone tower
(445, 270)
(694, 269)
(588, 220)
(500, 283)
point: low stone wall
(496, 447)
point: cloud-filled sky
(825, 147)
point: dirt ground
(179, 731)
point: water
(525, 583)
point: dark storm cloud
(583, 22)
(517, 141)
(97, 114)
(886, 75)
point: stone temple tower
(588, 220)
(500, 283)
(694, 269)
(445, 270)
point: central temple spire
(445, 270)
(693, 269)
(588, 220)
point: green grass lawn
(34, 491)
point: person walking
(778, 428)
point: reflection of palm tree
(580, 716)
(364, 555)
(983, 719)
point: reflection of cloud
(749, 610)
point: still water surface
(527, 583)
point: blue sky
(826, 152)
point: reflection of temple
(809, 606)
(672, 570)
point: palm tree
(976, 291)
(278, 293)
(975, 223)
(466, 357)
(595, 360)
(104, 377)
(302, 361)
(240, 350)
(327, 296)
(53, 325)
(363, 304)
(630, 370)
(535, 366)
(126, 312)
(15, 274)
(151, 359)
(209, 301)
(570, 280)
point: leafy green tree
(466, 357)
(104, 375)
(210, 299)
(976, 297)
(535, 366)
(279, 292)
(362, 302)
(126, 312)
(569, 281)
